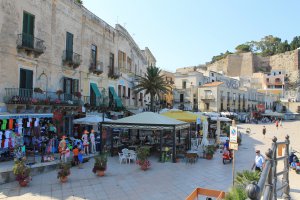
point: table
(191, 156)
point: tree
(283, 47)
(243, 48)
(268, 45)
(153, 83)
(79, 2)
(221, 56)
(295, 43)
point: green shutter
(115, 97)
(25, 23)
(29, 79)
(96, 90)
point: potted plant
(142, 158)
(22, 172)
(209, 151)
(100, 164)
(63, 172)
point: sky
(182, 33)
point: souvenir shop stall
(27, 134)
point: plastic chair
(132, 156)
(122, 158)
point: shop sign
(233, 134)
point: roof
(183, 116)
(212, 84)
(147, 120)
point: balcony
(208, 98)
(113, 73)
(96, 67)
(30, 44)
(17, 98)
(71, 59)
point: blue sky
(183, 33)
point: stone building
(58, 52)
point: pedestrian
(264, 131)
(75, 155)
(276, 123)
(259, 161)
(80, 158)
(280, 123)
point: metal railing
(267, 184)
(30, 96)
(95, 101)
(113, 73)
(29, 42)
(208, 97)
(96, 67)
(71, 58)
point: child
(80, 158)
(75, 155)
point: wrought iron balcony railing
(113, 73)
(29, 42)
(71, 58)
(96, 67)
(208, 97)
(95, 101)
(30, 96)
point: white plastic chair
(122, 158)
(132, 156)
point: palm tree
(153, 83)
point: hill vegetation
(267, 46)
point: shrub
(64, 170)
(100, 163)
(21, 171)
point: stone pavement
(162, 181)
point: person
(75, 155)
(276, 123)
(80, 158)
(92, 139)
(85, 140)
(264, 131)
(280, 122)
(259, 161)
(226, 145)
(62, 147)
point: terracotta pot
(63, 179)
(23, 183)
(144, 167)
(209, 156)
(100, 173)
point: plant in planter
(22, 172)
(209, 151)
(100, 164)
(142, 158)
(63, 172)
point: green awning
(95, 89)
(116, 98)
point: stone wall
(287, 61)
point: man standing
(264, 131)
(259, 161)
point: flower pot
(209, 156)
(23, 183)
(63, 179)
(100, 173)
(144, 168)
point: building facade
(58, 52)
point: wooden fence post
(286, 190)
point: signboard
(233, 134)
(198, 120)
(233, 146)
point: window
(279, 72)
(26, 79)
(129, 63)
(111, 62)
(70, 87)
(200, 83)
(183, 84)
(268, 80)
(69, 46)
(212, 74)
(94, 55)
(121, 60)
(28, 30)
(128, 93)
(181, 98)
(124, 91)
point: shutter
(29, 79)
(25, 23)
(75, 84)
(69, 43)
(30, 24)
(65, 84)
(22, 78)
